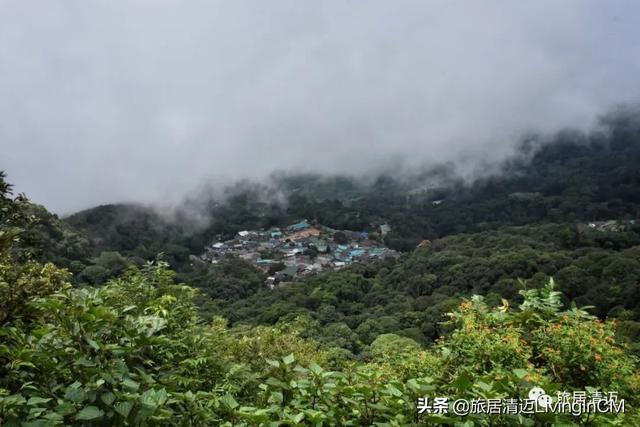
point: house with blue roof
(276, 234)
(302, 225)
(357, 252)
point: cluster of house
(612, 225)
(300, 249)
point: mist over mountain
(573, 178)
(143, 101)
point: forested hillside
(570, 178)
(528, 277)
(410, 296)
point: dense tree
(133, 352)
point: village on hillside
(611, 225)
(301, 249)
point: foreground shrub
(134, 352)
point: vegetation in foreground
(135, 352)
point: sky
(146, 100)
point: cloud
(145, 100)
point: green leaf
(520, 373)
(35, 412)
(393, 391)
(413, 384)
(123, 408)
(483, 386)
(89, 413)
(19, 365)
(75, 395)
(315, 368)
(289, 359)
(276, 397)
(131, 384)
(84, 362)
(108, 398)
(65, 408)
(301, 370)
(37, 400)
(154, 398)
(14, 399)
(94, 345)
(53, 416)
(228, 401)
(462, 383)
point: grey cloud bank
(146, 100)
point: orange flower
(597, 357)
